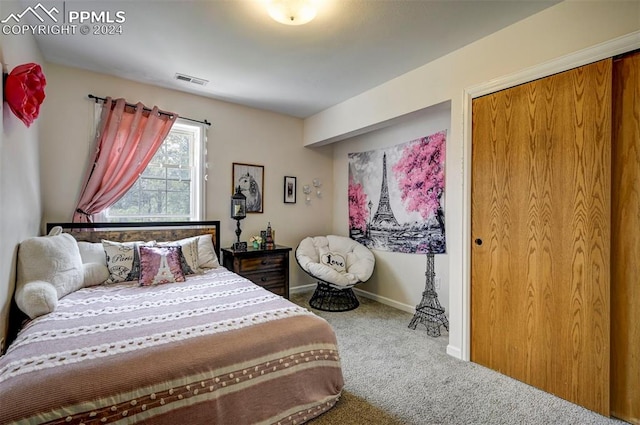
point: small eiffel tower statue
(429, 312)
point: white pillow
(92, 252)
(53, 262)
(37, 298)
(94, 274)
(207, 257)
(204, 256)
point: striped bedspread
(216, 349)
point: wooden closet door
(625, 241)
(540, 227)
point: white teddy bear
(50, 267)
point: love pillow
(334, 260)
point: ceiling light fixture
(292, 12)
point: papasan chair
(338, 263)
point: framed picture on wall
(250, 179)
(290, 188)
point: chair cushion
(360, 259)
(327, 274)
(357, 259)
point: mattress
(215, 349)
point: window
(171, 188)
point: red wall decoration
(24, 91)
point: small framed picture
(290, 187)
(250, 179)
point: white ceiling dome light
(292, 12)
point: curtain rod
(102, 99)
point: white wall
(20, 205)
(551, 34)
(399, 279)
(237, 134)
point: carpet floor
(396, 375)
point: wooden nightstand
(268, 268)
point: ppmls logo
(70, 22)
(34, 11)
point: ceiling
(249, 59)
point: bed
(214, 349)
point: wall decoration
(306, 189)
(396, 196)
(317, 183)
(290, 188)
(250, 179)
(24, 91)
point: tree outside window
(171, 187)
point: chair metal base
(329, 298)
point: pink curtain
(126, 140)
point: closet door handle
(478, 241)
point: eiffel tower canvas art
(384, 215)
(396, 196)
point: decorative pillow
(92, 252)
(123, 259)
(95, 274)
(207, 258)
(189, 258)
(160, 264)
(36, 298)
(334, 260)
(206, 254)
(49, 267)
(55, 231)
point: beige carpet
(353, 410)
(396, 375)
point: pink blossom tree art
(420, 176)
(357, 206)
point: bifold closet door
(541, 213)
(625, 241)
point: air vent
(192, 80)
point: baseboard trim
(387, 301)
(454, 352)
(382, 300)
(302, 288)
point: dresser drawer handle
(264, 279)
(265, 262)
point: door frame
(595, 53)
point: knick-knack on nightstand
(269, 244)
